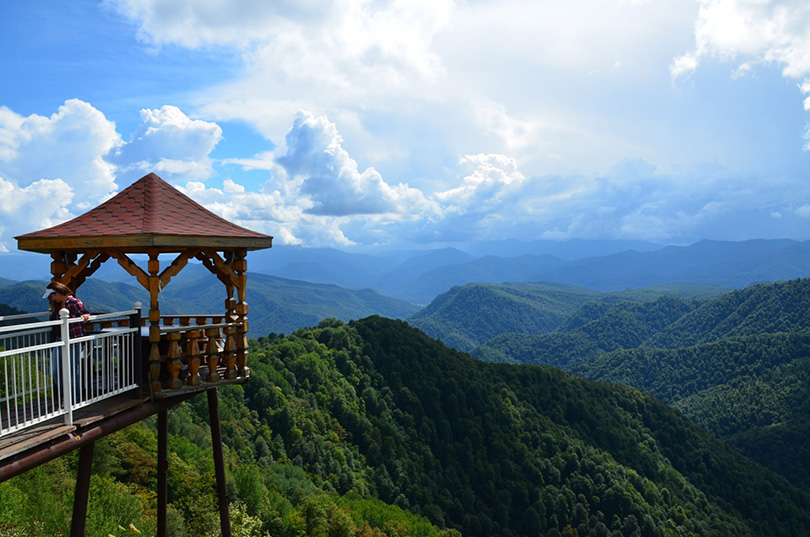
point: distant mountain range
(276, 305)
(308, 285)
(420, 276)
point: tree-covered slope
(596, 327)
(362, 429)
(467, 316)
(759, 309)
(736, 364)
(751, 392)
(494, 449)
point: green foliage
(372, 428)
(467, 316)
(736, 364)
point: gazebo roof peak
(150, 213)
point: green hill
(373, 428)
(596, 327)
(467, 316)
(752, 392)
(736, 364)
(759, 309)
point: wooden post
(230, 340)
(174, 364)
(219, 464)
(212, 354)
(58, 265)
(154, 321)
(192, 357)
(240, 266)
(79, 520)
(162, 473)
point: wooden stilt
(79, 520)
(163, 473)
(219, 463)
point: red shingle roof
(150, 212)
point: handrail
(23, 316)
(193, 327)
(41, 379)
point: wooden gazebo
(152, 217)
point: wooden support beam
(79, 520)
(176, 266)
(128, 265)
(162, 473)
(219, 464)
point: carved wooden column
(173, 363)
(240, 266)
(58, 265)
(154, 320)
(212, 354)
(192, 352)
(230, 339)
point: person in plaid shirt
(60, 296)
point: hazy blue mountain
(418, 276)
(275, 304)
(730, 264)
(422, 288)
(570, 249)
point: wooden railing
(190, 350)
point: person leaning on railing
(61, 297)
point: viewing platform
(60, 392)
(107, 371)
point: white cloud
(751, 31)
(325, 173)
(170, 143)
(52, 168)
(71, 144)
(39, 205)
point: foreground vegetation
(374, 429)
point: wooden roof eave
(142, 243)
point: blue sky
(415, 123)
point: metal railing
(44, 373)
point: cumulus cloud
(71, 144)
(52, 168)
(325, 173)
(170, 143)
(315, 191)
(38, 205)
(751, 31)
(304, 39)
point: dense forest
(736, 364)
(372, 428)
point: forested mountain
(361, 429)
(759, 309)
(737, 364)
(467, 316)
